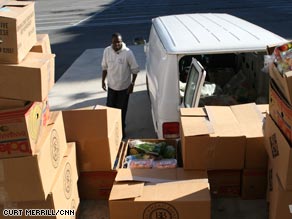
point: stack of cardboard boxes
(38, 166)
(278, 139)
(132, 193)
(97, 131)
(228, 142)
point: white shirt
(119, 65)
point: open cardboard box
(21, 127)
(17, 30)
(222, 137)
(31, 79)
(43, 44)
(283, 81)
(166, 193)
(171, 142)
(35, 173)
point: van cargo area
(231, 78)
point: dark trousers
(119, 99)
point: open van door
(195, 81)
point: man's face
(117, 43)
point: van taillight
(170, 130)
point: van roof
(203, 33)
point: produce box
(30, 178)
(17, 30)
(63, 195)
(21, 128)
(254, 183)
(280, 111)
(150, 153)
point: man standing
(120, 68)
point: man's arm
(104, 74)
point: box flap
(146, 175)
(197, 111)
(126, 190)
(250, 119)
(223, 121)
(264, 108)
(183, 190)
(193, 126)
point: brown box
(279, 152)
(222, 137)
(97, 132)
(31, 79)
(17, 30)
(35, 173)
(283, 81)
(64, 194)
(165, 193)
(172, 142)
(254, 184)
(96, 185)
(12, 104)
(280, 200)
(42, 45)
(280, 111)
(225, 183)
(21, 128)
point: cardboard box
(279, 152)
(12, 104)
(225, 183)
(64, 193)
(96, 185)
(42, 45)
(31, 79)
(172, 142)
(97, 132)
(254, 184)
(167, 193)
(280, 200)
(31, 178)
(251, 118)
(222, 137)
(17, 30)
(280, 110)
(21, 128)
(283, 81)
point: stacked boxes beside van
(38, 167)
(278, 131)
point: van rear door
(195, 81)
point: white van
(204, 59)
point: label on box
(20, 146)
